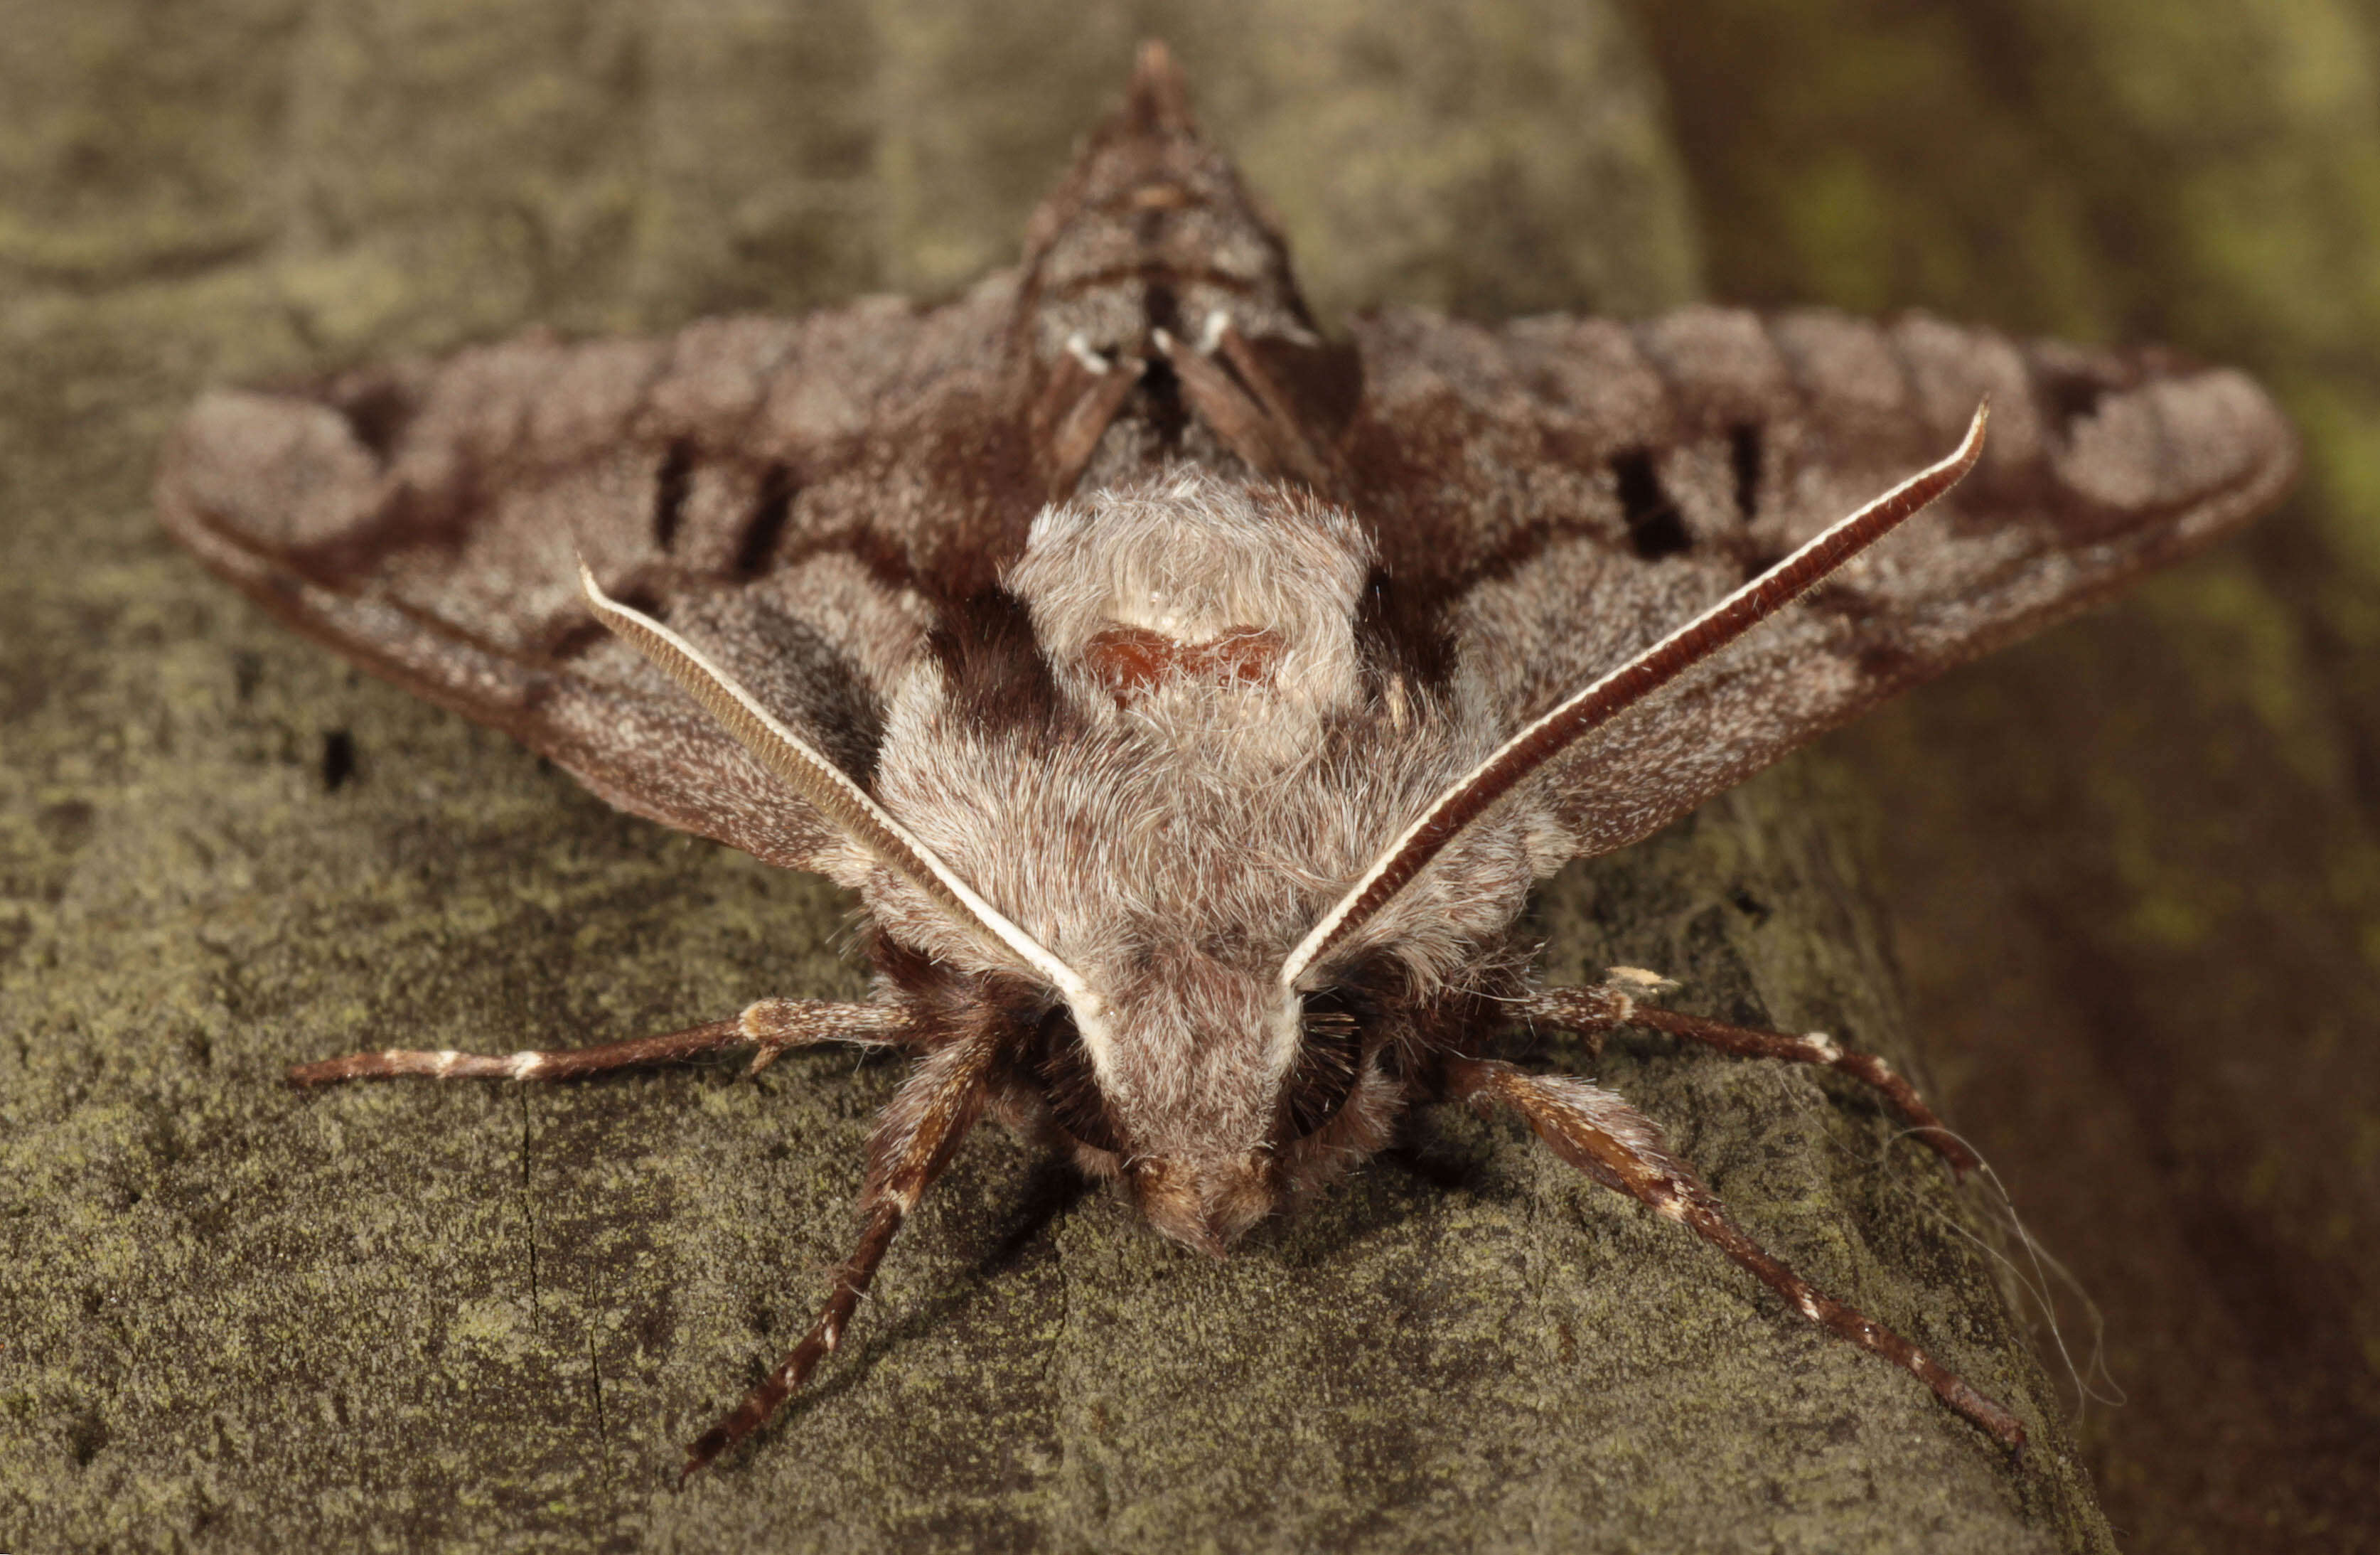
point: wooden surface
(233, 1316)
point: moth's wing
(1577, 488)
(775, 489)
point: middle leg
(1620, 999)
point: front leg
(772, 1026)
(1621, 1000)
(915, 1137)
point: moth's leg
(772, 1026)
(1267, 389)
(1074, 411)
(914, 1140)
(1620, 1002)
(1266, 434)
(1587, 1011)
(1620, 1147)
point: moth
(1192, 699)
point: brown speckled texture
(236, 1316)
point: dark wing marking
(796, 495)
(1574, 488)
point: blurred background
(2132, 869)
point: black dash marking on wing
(570, 637)
(1744, 453)
(996, 673)
(670, 485)
(377, 413)
(2070, 394)
(770, 511)
(1655, 526)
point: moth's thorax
(1195, 605)
(1172, 834)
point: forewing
(1574, 488)
(790, 494)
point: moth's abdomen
(1152, 230)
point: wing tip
(2206, 438)
(274, 470)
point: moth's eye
(1058, 1060)
(1329, 1055)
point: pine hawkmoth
(1190, 697)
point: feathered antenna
(844, 805)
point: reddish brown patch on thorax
(1132, 661)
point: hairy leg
(1619, 1000)
(1620, 1147)
(772, 1026)
(918, 1133)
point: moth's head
(1214, 1098)
(1128, 820)
(1181, 1064)
(1208, 1098)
